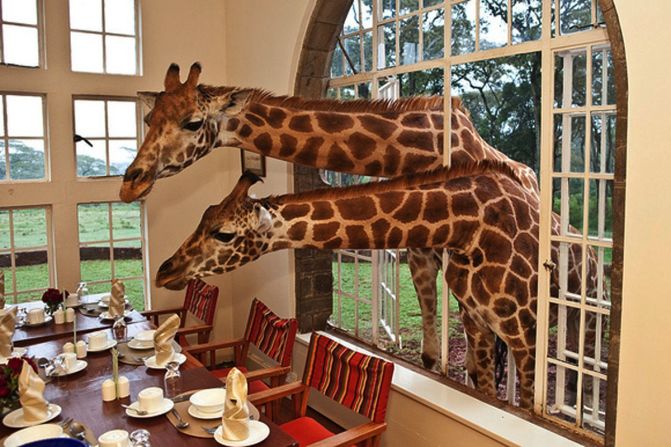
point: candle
(69, 315)
(59, 316)
(124, 387)
(68, 347)
(115, 370)
(80, 347)
(108, 390)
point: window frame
(41, 45)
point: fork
(210, 430)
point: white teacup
(114, 438)
(98, 340)
(145, 338)
(36, 316)
(69, 360)
(150, 399)
(211, 400)
(72, 300)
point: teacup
(145, 338)
(72, 300)
(150, 399)
(209, 401)
(69, 360)
(35, 316)
(98, 340)
(114, 438)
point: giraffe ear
(237, 101)
(265, 222)
(148, 99)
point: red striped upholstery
(358, 381)
(201, 300)
(255, 386)
(273, 335)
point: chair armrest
(258, 374)
(194, 330)
(207, 347)
(151, 313)
(353, 435)
(273, 394)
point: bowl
(35, 433)
(56, 442)
(145, 336)
(211, 400)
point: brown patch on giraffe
(499, 249)
(474, 146)
(440, 235)
(416, 120)
(332, 122)
(510, 326)
(288, 145)
(504, 307)
(477, 257)
(297, 231)
(189, 150)
(232, 124)
(418, 236)
(465, 122)
(391, 200)
(325, 231)
(435, 207)
(525, 245)
(357, 209)
(301, 123)
(392, 159)
(464, 205)
(487, 189)
(492, 277)
(258, 109)
(180, 157)
(500, 215)
(517, 288)
(333, 244)
(462, 233)
(522, 214)
(322, 210)
(374, 168)
(339, 160)
(479, 290)
(264, 143)
(417, 162)
(360, 145)
(308, 154)
(520, 266)
(437, 120)
(255, 120)
(420, 140)
(293, 211)
(245, 131)
(454, 122)
(276, 117)
(410, 208)
(395, 237)
(380, 228)
(378, 126)
(527, 319)
(357, 236)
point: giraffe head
(229, 235)
(184, 125)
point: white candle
(59, 316)
(108, 390)
(68, 347)
(69, 315)
(124, 387)
(81, 349)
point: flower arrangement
(53, 298)
(9, 382)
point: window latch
(79, 138)
(549, 265)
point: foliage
(9, 381)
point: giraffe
(479, 211)
(377, 138)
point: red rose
(52, 297)
(4, 389)
(15, 364)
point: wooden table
(79, 395)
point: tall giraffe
(379, 138)
(479, 211)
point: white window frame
(41, 58)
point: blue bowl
(56, 442)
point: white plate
(79, 366)
(35, 433)
(258, 431)
(15, 418)
(176, 357)
(165, 407)
(105, 303)
(17, 352)
(106, 315)
(110, 344)
(254, 414)
(47, 319)
(145, 336)
(134, 344)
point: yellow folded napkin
(235, 421)
(7, 327)
(31, 394)
(163, 339)
(2, 289)
(117, 298)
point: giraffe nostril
(165, 267)
(132, 175)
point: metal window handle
(549, 265)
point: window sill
(492, 422)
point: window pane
(409, 40)
(120, 16)
(86, 52)
(121, 118)
(93, 219)
(32, 272)
(2, 116)
(408, 6)
(95, 263)
(463, 27)
(433, 27)
(425, 82)
(567, 202)
(120, 55)
(90, 118)
(134, 287)
(26, 159)
(387, 8)
(91, 160)
(386, 45)
(86, 15)
(367, 13)
(493, 25)
(122, 153)
(347, 93)
(20, 11)
(3, 161)
(428, 3)
(526, 20)
(368, 51)
(336, 62)
(353, 48)
(125, 220)
(21, 45)
(601, 209)
(4, 232)
(24, 116)
(30, 227)
(575, 15)
(351, 24)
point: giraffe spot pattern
(391, 200)
(380, 228)
(435, 208)
(374, 168)
(437, 120)
(492, 276)
(308, 154)
(415, 120)
(392, 160)
(500, 215)
(441, 234)
(264, 143)
(464, 205)
(255, 120)
(288, 145)
(359, 208)
(325, 231)
(294, 211)
(420, 140)
(322, 210)
(462, 232)
(499, 249)
(333, 244)
(357, 236)
(418, 236)
(360, 145)
(395, 237)
(516, 287)
(245, 131)
(276, 117)
(301, 123)
(378, 126)
(410, 209)
(339, 160)
(334, 122)
(418, 162)
(297, 231)
(504, 307)
(232, 124)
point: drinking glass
(140, 438)
(171, 380)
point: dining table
(79, 395)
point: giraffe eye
(223, 237)
(193, 125)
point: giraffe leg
(424, 268)
(480, 355)
(525, 361)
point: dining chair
(270, 334)
(200, 302)
(355, 380)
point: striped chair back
(201, 300)
(358, 381)
(274, 336)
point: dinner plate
(196, 413)
(134, 344)
(15, 418)
(106, 315)
(79, 366)
(47, 319)
(165, 407)
(176, 357)
(34, 433)
(110, 344)
(17, 352)
(258, 431)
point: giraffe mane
(438, 175)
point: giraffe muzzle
(136, 184)
(170, 276)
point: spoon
(136, 410)
(181, 423)
(78, 431)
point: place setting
(8, 320)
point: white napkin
(235, 421)
(7, 327)
(163, 339)
(31, 394)
(117, 299)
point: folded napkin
(2, 289)
(7, 327)
(235, 421)
(117, 299)
(31, 394)
(163, 339)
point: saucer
(106, 304)
(165, 407)
(106, 315)
(79, 366)
(15, 418)
(34, 433)
(196, 413)
(176, 357)
(47, 319)
(110, 344)
(258, 431)
(17, 352)
(140, 346)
